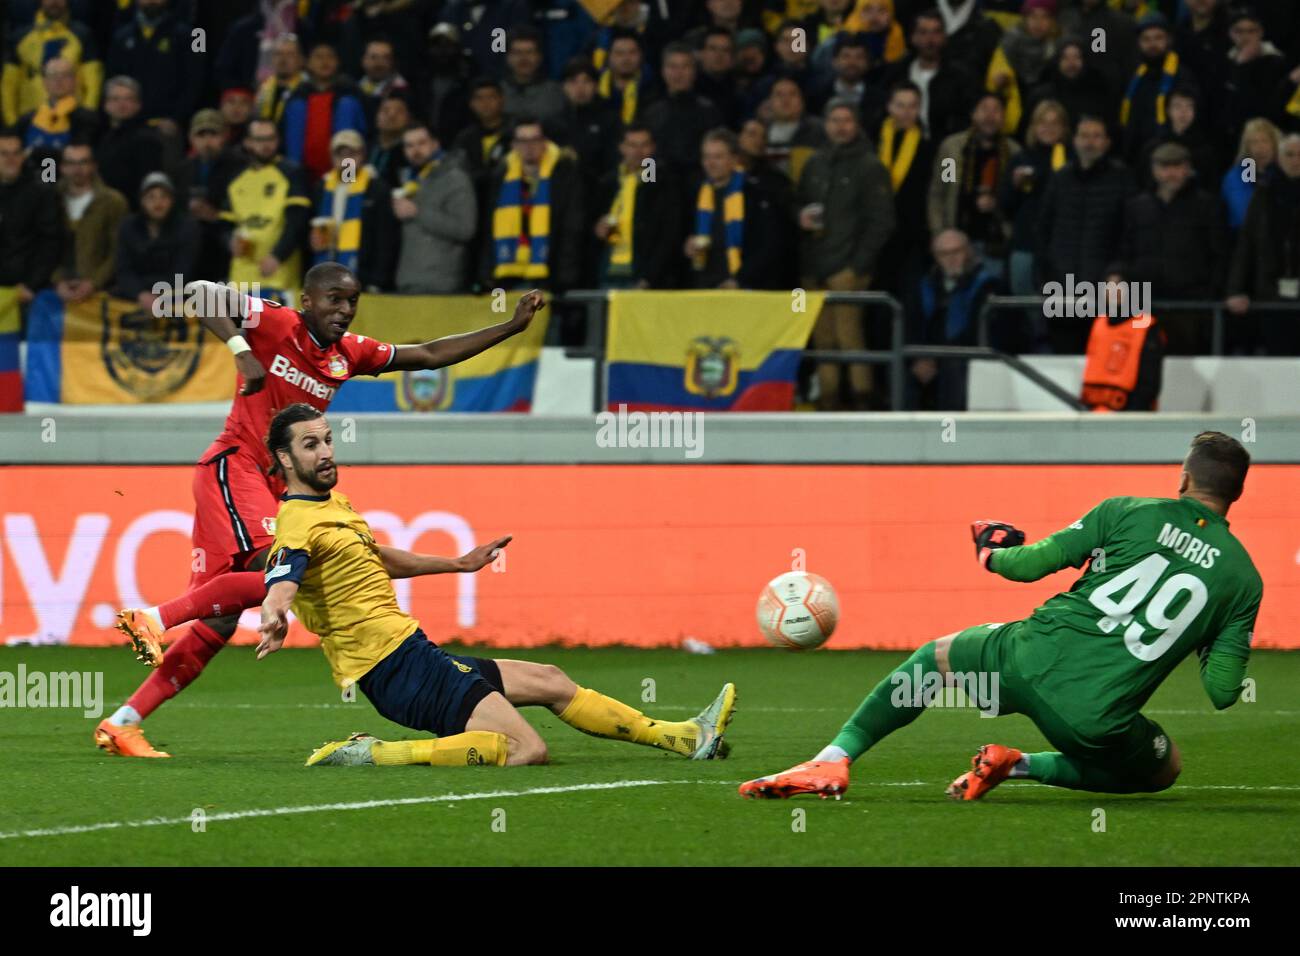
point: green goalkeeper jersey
(1164, 577)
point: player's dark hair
(280, 435)
(325, 274)
(1217, 465)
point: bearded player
(326, 565)
(283, 356)
(1164, 577)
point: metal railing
(596, 304)
(1215, 309)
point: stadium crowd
(938, 150)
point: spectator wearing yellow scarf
(620, 81)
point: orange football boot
(124, 741)
(826, 778)
(146, 639)
(989, 768)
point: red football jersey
(298, 369)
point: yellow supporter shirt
(344, 594)
(255, 203)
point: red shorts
(234, 513)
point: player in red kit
(283, 356)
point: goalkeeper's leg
(1140, 759)
(897, 700)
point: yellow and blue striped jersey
(344, 593)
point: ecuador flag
(11, 379)
(110, 351)
(500, 379)
(707, 351)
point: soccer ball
(798, 610)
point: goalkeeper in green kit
(1164, 577)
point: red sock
(224, 594)
(183, 661)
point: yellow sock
(594, 713)
(473, 747)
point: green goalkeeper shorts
(1138, 746)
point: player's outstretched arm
(1001, 547)
(218, 306)
(456, 348)
(404, 564)
(275, 617)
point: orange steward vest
(1110, 372)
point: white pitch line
(489, 795)
(331, 807)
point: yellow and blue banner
(111, 351)
(500, 379)
(11, 376)
(707, 351)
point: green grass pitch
(240, 734)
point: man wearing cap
(1176, 238)
(92, 213)
(751, 70)
(353, 223)
(1144, 111)
(156, 244)
(204, 177)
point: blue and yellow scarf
(733, 216)
(524, 253)
(627, 110)
(1169, 72)
(347, 231)
(51, 127)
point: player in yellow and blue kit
(326, 564)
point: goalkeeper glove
(991, 535)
